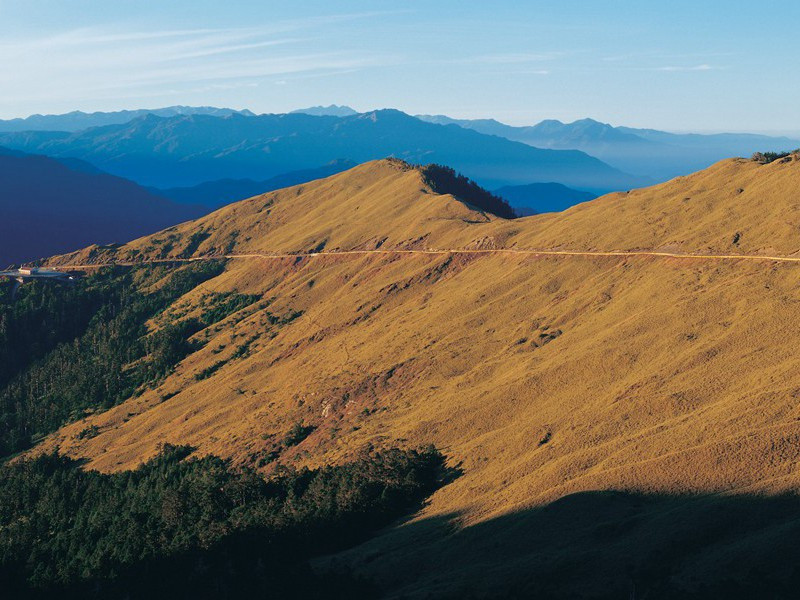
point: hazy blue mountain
(715, 140)
(549, 133)
(49, 207)
(77, 120)
(536, 198)
(214, 194)
(334, 110)
(186, 150)
(649, 152)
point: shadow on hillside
(262, 552)
(596, 545)
(599, 545)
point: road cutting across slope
(429, 251)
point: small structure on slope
(25, 274)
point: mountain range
(656, 154)
(78, 120)
(332, 110)
(205, 157)
(49, 206)
(614, 386)
(186, 150)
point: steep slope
(735, 207)
(187, 150)
(657, 154)
(51, 206)
(381, 204)
(619, 421)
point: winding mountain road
(510, 251)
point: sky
(700, 65)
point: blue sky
(677, 65)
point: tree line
(197, 527)
(68, 350)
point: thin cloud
(534, 72)
(85, 64)
(498, 59)
(618, 58)
(94, 64)
(235, 48)
(514, 59)
(703, 67)
(243, 69)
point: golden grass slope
(540, 376)
(378, 204)
(737, 206)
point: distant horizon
(792, 134)
(682, 66)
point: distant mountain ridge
(538, 198)
(650, 155)
(658, 155)
(215, 194)
(186, 150)
(78, 120)
(51, 206)
(649, 152)
(333, 110)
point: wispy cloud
(514, 59)
(703, 67)
(617, 63)
(522, 63)
(534, 72)
(91, 63)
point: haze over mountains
(208, 157)
(226, 158)
(225, 191)
(333, 110)
(616, 408)
(657, 154)
(49, 206)
(77, 120)
(188, 150)
(537, 198)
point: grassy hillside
(381, 204)
(619, 420)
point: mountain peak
(332, 110)
(384, 114)
(589, 121)
(389, 203)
